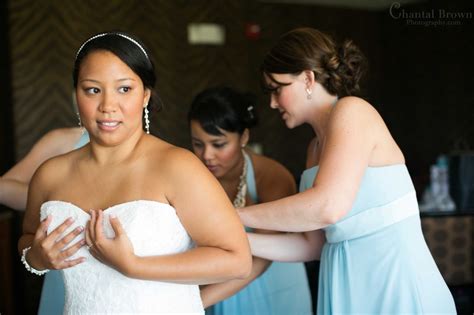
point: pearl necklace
(239, 200)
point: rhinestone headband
(118, 34)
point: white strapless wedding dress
(92, 287)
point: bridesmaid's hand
(48, 251)
(116, 252)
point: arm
(214, 293)
(288, 247)
(273, 182)
(222, 250)
(14, 183)
(46, 250)
(13, 193)
(350, 140)
(291, 247)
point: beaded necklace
(239, 200)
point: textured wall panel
(46, 34)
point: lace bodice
(92, 287)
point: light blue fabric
(83, 140)
(250, 178)
(52, 294)
(282, 289)
(384, 271)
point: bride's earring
(80, 123)
(147, 121)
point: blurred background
(421, 64)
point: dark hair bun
(345, 69)
(338, 68)
(224, 108)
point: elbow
(332, 217)
(333, 213)
(245, 269)
(243, 266)
(330, 208)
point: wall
(424, 91)
(45, 36)
(51, 32)
(417, 77)
(6, 112)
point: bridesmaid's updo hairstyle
(338, 68)
(127, 48)
(223, 108)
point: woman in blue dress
(357, 208)
(14, 183)
(14, 190)
(220, 119)
(52, 293)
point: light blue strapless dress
(376, 260)
(52, 294)
(282, 289)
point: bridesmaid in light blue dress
(283, 287)
(52, 293)
(55, 142)
(357, 206)
(378, 251)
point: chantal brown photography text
(430, 17)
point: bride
(129, 219)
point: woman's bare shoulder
(54, 171)
(268, 166)
(59, 163)
(272, 177)
(169, 159)
(180, 174)
(167, 152)
(355, 108)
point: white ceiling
(350, 4)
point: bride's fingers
(98, 226)
(57, 232)
(65, 254)
(68, 238)
(87, 235)
(116, 226)
(91, 229)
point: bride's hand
(116, 252)
(48, 251)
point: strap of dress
(83, 140)
(251, 184)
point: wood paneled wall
(46, 34)
(417, 74)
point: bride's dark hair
(130, 50)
